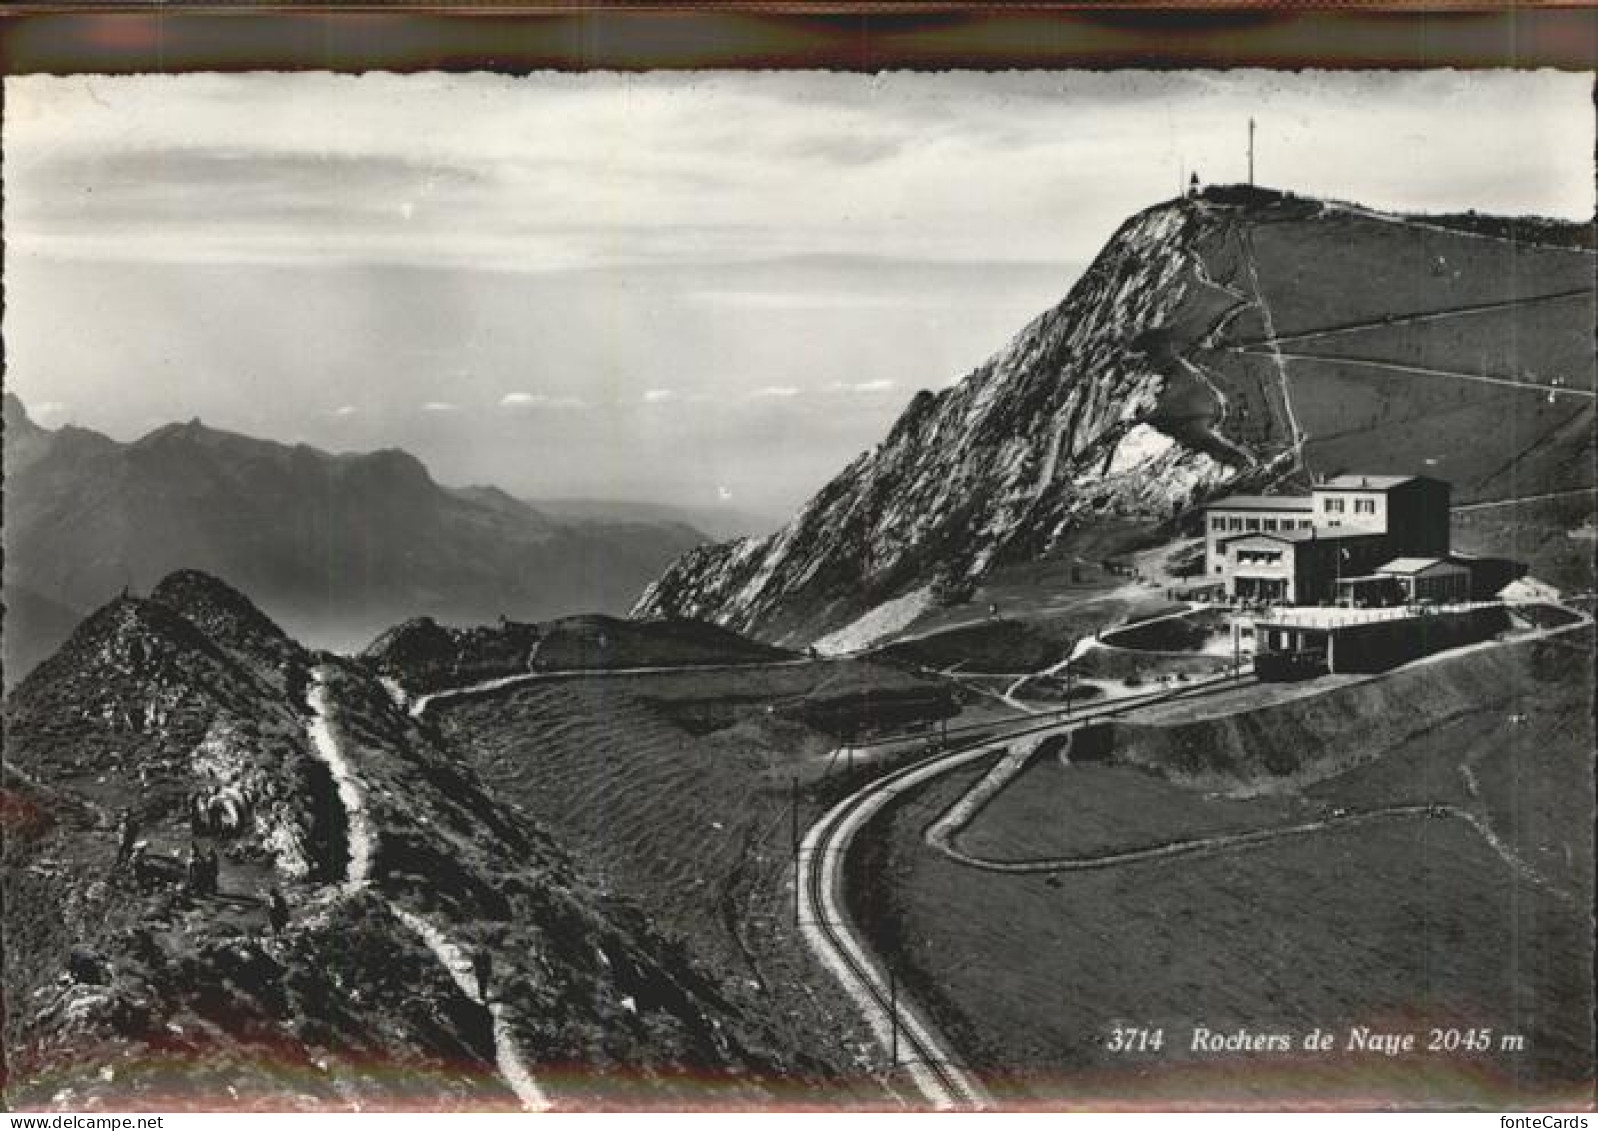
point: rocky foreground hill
(186, 722)
(337, 547)
(1238, 339)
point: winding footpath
(360, 835)
(418, 706)
(942, 834)
(1524, 499)
(1426, 371)
(358, 877)
(1416, 317)
(1285, 390)
(458, 964)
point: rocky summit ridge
(381, 931)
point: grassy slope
(1052, 810)
(1545, 534)
(1306, 266)
(996, 645)
(1534, 343)
(1356, 416)
(1306, 740)
(1407, 924)
(676, 789)
(1417, 422)
(1402, 926)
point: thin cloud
(798, 300)
(775, 392)
(50, 410)
(410, 169)
(533, 402)
(659, 396)
(878, 386)
(440, 406)
(345, 410)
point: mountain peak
(228, 619)
(127, 662)
(1154, 382)
(16, 415)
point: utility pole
(797, 879)
(1251, 152)
(893, 1016)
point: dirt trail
(358, 877)
(507, 1056)
(1286, 393)
(942, 834)
(502, 683)
(1410, 319)
(351, 794)
(1525, 499)
(1425, 371)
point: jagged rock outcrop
(1066, 424)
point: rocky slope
(337, 547)
(1150, 387)
(192, 713)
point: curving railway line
(898, 1023)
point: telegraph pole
(1251, 152)
(893, 1015)
(798, 880)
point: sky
(704, 289)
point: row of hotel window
(1233, 522)
(1333, 506)
(1361, 506)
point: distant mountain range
(1241, 338)
(336, 547)
(716, 521)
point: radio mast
(1251, 152)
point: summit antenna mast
(1251, 152)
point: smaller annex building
(1408, 581)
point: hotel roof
(1363, 482)
(1417, 565)
(1314, 534)
(1263, 503)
